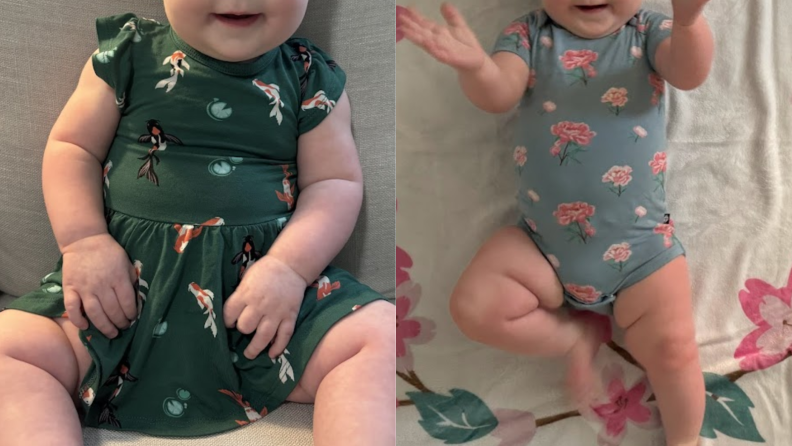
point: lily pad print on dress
(223, 167)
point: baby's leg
(350, 378)
(39, 375)
(508, 298)
(657, 316)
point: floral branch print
(521, 30)
(618, 177)
(577, 218)
(667, 231)
(579, 62)
(636, 53)
(571, 139)
(617, 255)
(640, 212)
(584, 293)
(617, 98)
(658, 165)
(548, 107)
(533, 196)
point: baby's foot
(580, 379)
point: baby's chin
(237, 54)
(594, 30)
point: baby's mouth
(591, 9)
(234, 19)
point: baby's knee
(669, 351)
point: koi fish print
(287, 196)
(205, 300)
(246, 257)
(305, 56)
(320, 101)
(252, 415)
(139, 295)
(88, 396)
(273, 93)
(286, 371)
(178, 63)
(159, 142)
(105, 172)
(189, 232)
(132, 25)
(108, 416)
(324, 288)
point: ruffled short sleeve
(657, 28)
(322, 83)
(113, 62)
(519, 37)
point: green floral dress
(199, 181)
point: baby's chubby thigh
(507, 279)
(50, 345)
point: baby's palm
(453, 44)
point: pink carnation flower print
(554, 261)
(579, 62)
(409, 330)
(546, 41)
(617, 255)
(617, 98)
(666, 24)
(658, 165)
(531, 79)
(577, 218)
(531, 224)
(621, 406)
(532, 195)
(549, 107)
(770, 309)
(636, 52)
(640, 212)
(521, 30)
(584, 293)
(667, 231)
(520, 155)
(640, 132)
(659, 86)
(618, 178)
(571, 139)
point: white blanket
(730, 180)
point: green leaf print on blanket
(728, 410)
(457, 419)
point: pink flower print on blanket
(616, 98)
(620, 406)
(617, 178)
(577, 218)
(770, 309)
(583, 293)
(520, 156)
(521, 30)
(571, 139)
(409, 330)
(579, 62)
(617, 255)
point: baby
(199, 181)
(594, 230)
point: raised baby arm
(685, 59)
(494, 84)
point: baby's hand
(454, 45)
(267, 301)
(98, 278)
(686, 12)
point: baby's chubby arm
(97, 273)
(494, 84)
(330, 181)
(685, 59)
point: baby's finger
(232, 309)
(264, 334)
(452, 16)
(93, 308)
(248, 320)
(285, 332)
(112, 309)
(417, 17)
(73, 304)
(127, 300)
